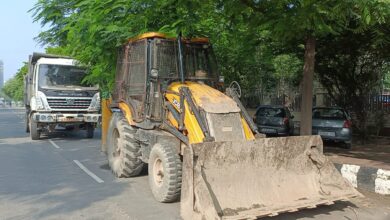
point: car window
(271, 112)
(328, 113)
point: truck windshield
(60, 76)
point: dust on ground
(373, 153)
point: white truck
(54, 95)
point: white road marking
(54, 144)
(96, 178)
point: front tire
(27, 123)
(165, 173)
(90, 130)
(34, 132)
(69, 128)
(123, 151)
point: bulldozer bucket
(264, 177)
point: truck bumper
(65, 118)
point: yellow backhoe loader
(170, 111)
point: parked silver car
(274, 120)
(332, 124)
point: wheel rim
(158, 172)
(117, 149)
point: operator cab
(148, 64)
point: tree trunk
(307, 86)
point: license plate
(327, 133)
(268, 130)
(69, 119)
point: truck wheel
(34, 132)
(27, 123)
(123, 150)
(69, 128)
(165, 173)
(90, 130)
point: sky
(17, 32)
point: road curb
(368, 178)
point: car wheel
(347, 145)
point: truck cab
(55, 95)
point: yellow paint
(172, 120)
(127, 112)
(201, 94)
(106, 117)
(161, 35)
(193, 130)
(195, 134)
(208, 98)
(200, 40)
(247, 130)
(148, 35)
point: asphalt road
(65, 176)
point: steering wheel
(234, 86)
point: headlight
(38, 102)
(95, 103)
(41, 101)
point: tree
(306, 20)
(248, 34)
(386, 75)
(92, 30)
(287, 71)
(351, 70)
(14, 87)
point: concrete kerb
(367, 178)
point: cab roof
(149, 35)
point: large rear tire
(123, 151)
(35, 134)
(165, 173)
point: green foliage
(91, 30)
(13, 88)
(256, 42)
(288, 68)
(386, 75)
(301, 18)
(353, 70)
(57, 51)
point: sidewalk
(365, 166)
(376, 155)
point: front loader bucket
(264, 177)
